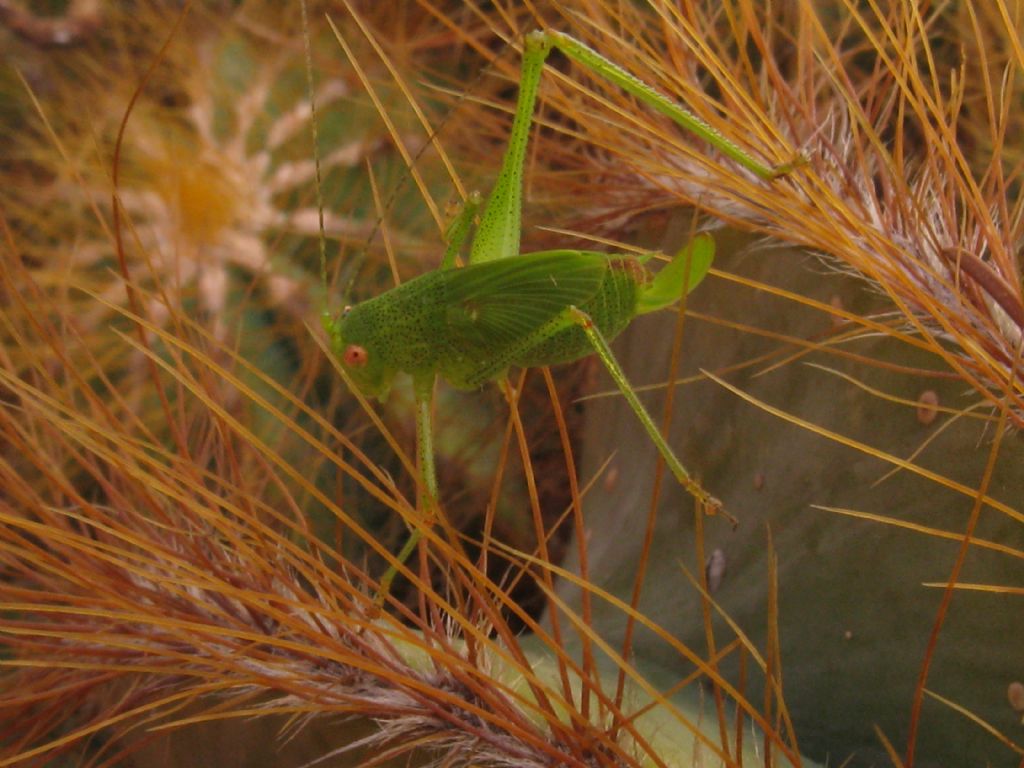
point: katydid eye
(345, 310)
(355, 356)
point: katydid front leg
(423, 392)
(458, 230)
(428, 503)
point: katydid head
(354, 349)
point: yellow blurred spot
(199, 194)
(205, 201)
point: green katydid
(469, 325)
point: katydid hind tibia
(504, 309)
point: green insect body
(469, 325)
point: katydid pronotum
(469, 325)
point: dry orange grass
(155, 564)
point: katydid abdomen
(612, 307)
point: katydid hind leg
(569, 318)
(497, 237)
(604, 352)
(683, 117)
